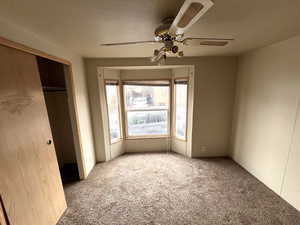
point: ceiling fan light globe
(179, 37)
(162, 61)
(180, 54)
(157, 38)
(156, 52)
(175, 49)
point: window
(113, 103)
(147, 108)
(181, 96)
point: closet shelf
(54, 89)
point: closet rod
(54, 89)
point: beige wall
(148, 145)
(213, 92)
(19, 34)
(291, 183)
(146, 73)
(266, 131)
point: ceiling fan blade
(190, 12)
(214, 43)
(130, 43)
(207, 41)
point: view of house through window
(113, 101)
(147, 108)
(181, 88)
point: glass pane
(113, 111)
(181, 110)
(146, 97)
(147, 123)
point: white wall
(214, 91)
(20, 35)
(266, 131)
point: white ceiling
(81, 25)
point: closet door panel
(3, 220)
(30, 183)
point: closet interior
(57, 102)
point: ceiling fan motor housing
(162, 30)
(164, 27)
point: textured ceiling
(81, 25)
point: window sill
(147, 137)
(116, 141)
(180, 139)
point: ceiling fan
(171, 31)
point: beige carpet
(166, 189)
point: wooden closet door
(30, 183)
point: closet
(36, 138)
(57, 103)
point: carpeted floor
(148, 189)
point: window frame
(118, 84)
(147, 82)
(184, 79)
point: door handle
(49, 142)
